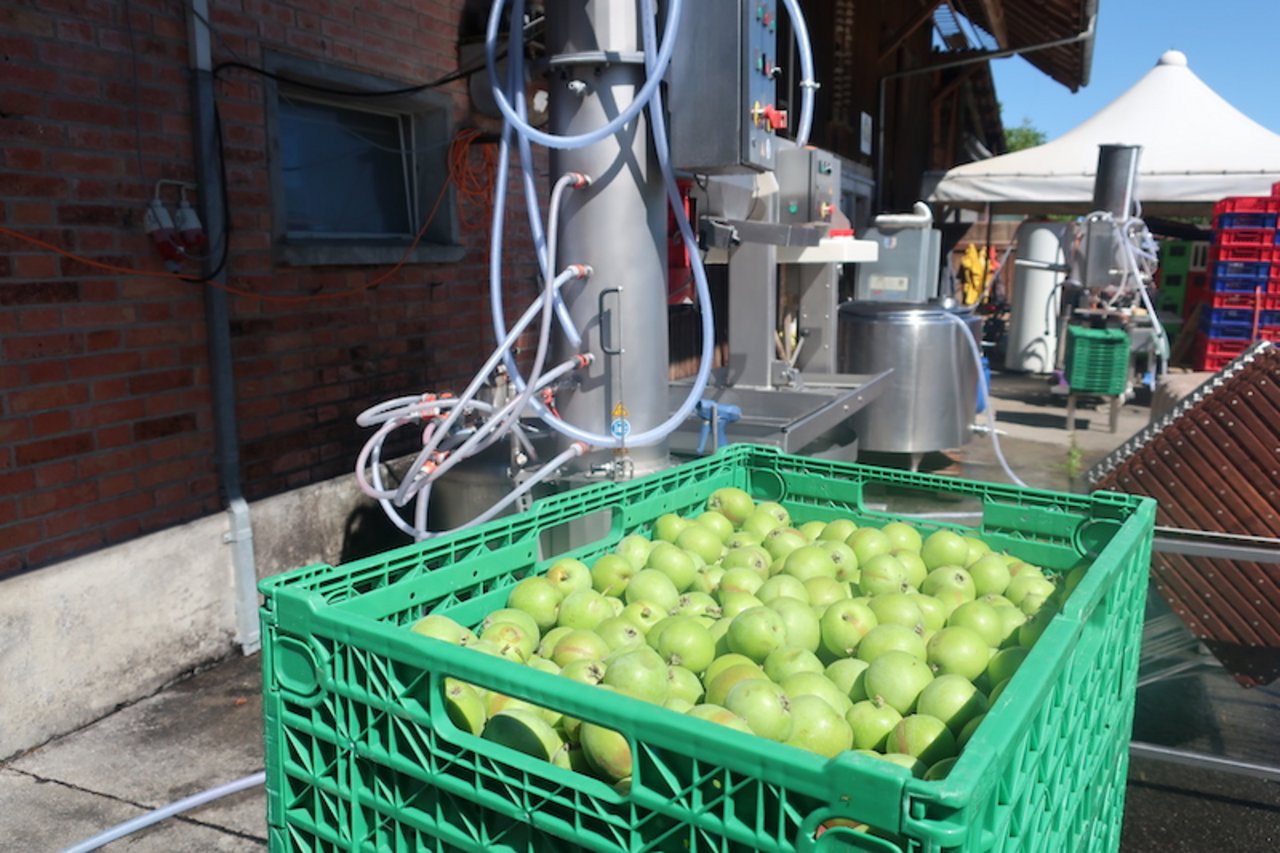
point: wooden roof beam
(994, 10)
(922, 17)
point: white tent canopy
(1196, 149)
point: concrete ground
(206, 730)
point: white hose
(407, 486)
(581, 140)
(401, 412)
(661, 146)
(574, 450)
(985, 391)
(153, 817)
(808, 82)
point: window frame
(428, 114)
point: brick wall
(105, 420)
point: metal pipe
(205, 132)
(1117, 175)
(617, 226)
(1084, 35)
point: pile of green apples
(825, 636)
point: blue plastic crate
(1234, 323)
(1239, 284)
(1256, 270)
(1245, 220)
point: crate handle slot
(297, 670)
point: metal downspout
(205, 132)
(1085, 35)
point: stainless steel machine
(769, 213)
(929, 400)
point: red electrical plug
(190, 230)
(159, 227)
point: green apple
(816, 727)
(569, 575)
(538, 597)
(843, 626)
(756, 632)
(733, 503)
(612, 572)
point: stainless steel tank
(930, 400)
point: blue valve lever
(715, 416)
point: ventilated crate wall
(1213, 463)
(1097, 360)
(361, 754)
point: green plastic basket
(361, 755)
(1097, 360)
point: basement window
(354, 177)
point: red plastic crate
(1230, 238)
(1199, 290)
(1265, 302)
(1258, 253)
(1247, 204)
(1213, 354)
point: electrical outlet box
(723, 92)
(808, 185)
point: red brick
(91, 316)
(80, 163)
(47, 398)
(111, 461)
(150, 383)
(104, 339)
(39, 319)
(21, 534)
(48, 450)
(34, 266)
(24, 158)
(52, 422)
(105, 364)
(114, 436)
(92, 214)
(76, 31)
(16, 482)
(118, 411)
(44, 372)
(57, 549)
(166, 472)
(13, 430)
(161, 427)
(38, 186)
(117, 484)
(120, 507)
(43, 346)
(32, 213)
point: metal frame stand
(1166, 639)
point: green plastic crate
(361, 755)
(1097, 360)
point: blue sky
(1232, 45)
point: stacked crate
(1242, 301)
(1181, 276)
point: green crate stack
(1178, 260)
(361, 753)
(1097, 360)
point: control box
(808, 185)
(907, 270)
(723, 87)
